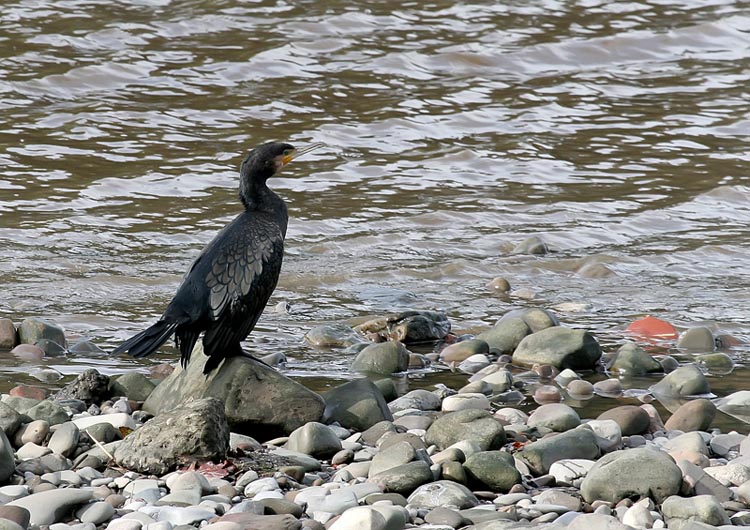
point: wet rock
(595, 270)
(48, 411)
(461, 351)
(716, 363)
(474, 364)
(314, 439)
(133, 385)
(697, 339)
(498, 381)
(50, 348)
(418, 326)
(419, 399)
(631, 419)
(474, 425)
(536, 318)
(90, 387)
(192, 432)
(492, 469)
(85, 346)
(33, 329)
(632, 360)
(356, 405)
(256, 397)
(405, 478)
(632, 472)
(695, 415)
(533, 245)
(10, 420)
(8, 334)
(50, 507)
(555, 417)
(703, 508)
(736, 404)
(382, 358)
(561, 347)
(506, 335)
(576, 444)
(608, 388)
(685, 381)
(443, 493)
(387, 388)
(580, 389)
(334, 336)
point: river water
(617, 131)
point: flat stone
(461, 351)
(465, 401)
(419, 399)
(96, 513)
(580, 443)
(405, 478)
(560, 347)
(116, 420)
(49, 507)
(471, 424)
(398, 454)
(570, 471)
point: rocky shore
(248, 448)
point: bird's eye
(288, 152)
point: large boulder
(469, 424)
(257, 399)
(580, 443)
(356, 405)
(630, 473)
(560, 347)
(194, 432)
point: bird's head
(266, 160)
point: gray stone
(685, 381)
(418, 326)
(180, 498)
(492, 469)
(103, 432)
(560, 347)
(632, 360)
(356, 405)
(48, 507)
(388, 388)
(533, 245)
(397, 454)
(556, 417)
(736, 404)
(703, 509)
(570, 471)
(443, 493)
(256, 397)
(333, 336)
(578, 443)
(371, 435)
(404, 478)
(50, 348)
(10, 420)
(445, 517)
(360, 518)
(505, 335)
(536, 318)
(608, 434)
(31, 450)
(632, 472)
(195, 431)
(19, 404)
(464, 401)
(631, 419)
(697, 339)
(64, 441)
(48, 411)
(33, 329)
(7, 461)
(419, 399)
(133, 385)
(382, 358)
(590, 521)
(35, 432)
(96, 513)
(314, 439)
(470, 424)
(695, 415)
(716, 363)
(723, 444)
(498, 381)
(90, 387)
(460, 351)
(8, 334)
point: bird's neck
(260, 198)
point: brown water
(617, 131)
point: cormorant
(227, 287)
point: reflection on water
(616, 131)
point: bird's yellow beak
(299, 152)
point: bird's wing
(243, 261)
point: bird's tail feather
(146, 342)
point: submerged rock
(697, 339)
(685, 381)
(533, 245)
(418, 326)
(560, 347)
(632, 360)
(194, 432)
(506, 335)
(333, 336)
(257, 398)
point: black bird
(227, 287)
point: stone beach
(248, 448)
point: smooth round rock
(632, 360)
(685, 381)
(443, 493)
(580, 389)
(465, 402)
(460, 351)
(314, 439)
(560, 347)
(418, 399)
(492, 469)
(96, 513)
(608, 388)
(697, 339)
(556, 417)
(471, 424)
(382, 358)
(695, 415)
(547, 394)
(701, 508)
(631, 419)
(396, 455)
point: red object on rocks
(652, 328)
(28, 392)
